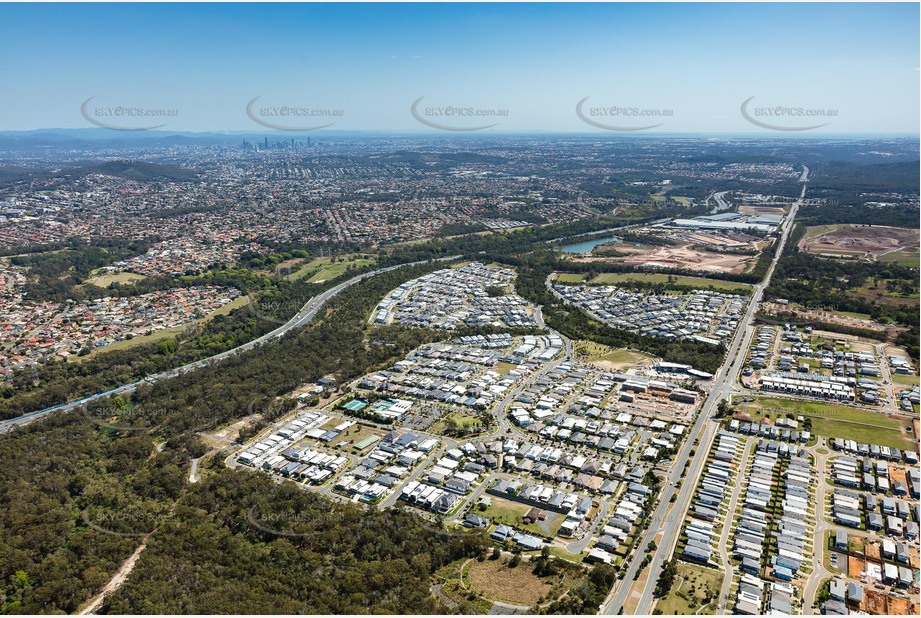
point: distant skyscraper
(267, 143)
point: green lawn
(464, 421)
(702, 282)
(861, 433)
(777, 407)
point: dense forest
(53, 474)
(847, 179)
(218, 555)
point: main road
(307, 313)
(668, 516)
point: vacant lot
(607, 357)
(678, 257)
(701, 282)
(493, 579)
(905, 380)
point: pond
(586, 246)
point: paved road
(723, 548)
(822, 525)
(721, 204)
(668, 516)
(305, 315)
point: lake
(586, 246)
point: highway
(668, 516)
(302, 317)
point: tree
(666, 579)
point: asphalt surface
(305, 315)
(668, 516)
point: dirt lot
(855, 566)
(682, 256)
(875, 603)
(493, 579)
(872, 550)
(747, 209)
(900, 607)
(865, 241)
(897, 474)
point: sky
(852, 68)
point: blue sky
(535, 61)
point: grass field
(595, 352)
(323, 268)
(905, 380)
(502, 368)
(354, 434)
(615, 278)
(693, 584)
(816, 230)
(570, 277)
(464, 421)
(836, 421)
(904, 257)
(104, 281)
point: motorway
(302, 317)
(668, 516)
